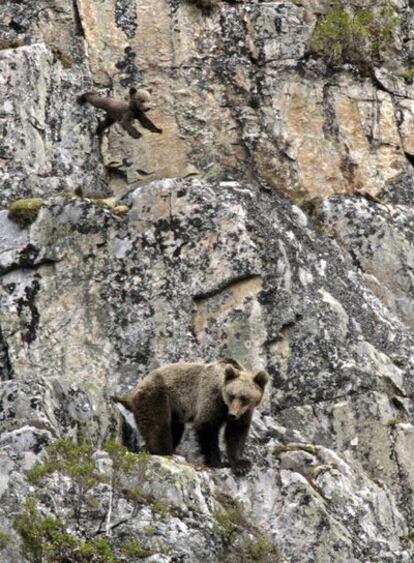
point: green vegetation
(24, 211)
(54, 538)
(232, 526)
(229, 523)
(124, 462)
(74, 461)
(262, 551)
(134, 550)
(355, 35)
(394, 421)
(45, 540)
(4, 539)
(408, 76)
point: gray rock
(209, 260)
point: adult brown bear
(209, 395)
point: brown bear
(208, 395)
(122, 111)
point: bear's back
(187, 385)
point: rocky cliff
(270, 222)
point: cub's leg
(126, 124)
(235, 436)
(104, 124)
(146, 121)
(152, 413)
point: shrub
(355, 36)
(4, 539)
(75, 461)
(46, 539)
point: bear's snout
(235, 410)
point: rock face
(204, 271)
(213, 256)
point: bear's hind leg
(152, 414)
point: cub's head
(141, 97)
(242, 390)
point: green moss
(348, 34)
(24, 211)
(4, 539)
(394, 421)
(232, 526)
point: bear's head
(141, 97)
(242, 390)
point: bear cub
(209, 395)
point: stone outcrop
(204, 271)
(270, 222)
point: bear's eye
(244, 400)
(231, 398)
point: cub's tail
(124, 401)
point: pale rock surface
(211, 260)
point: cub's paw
(241, 467)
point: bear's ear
(261, 378)
(230, 373)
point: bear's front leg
(207, 436)
(235, 436)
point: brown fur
(209, 395)
(122, 111)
